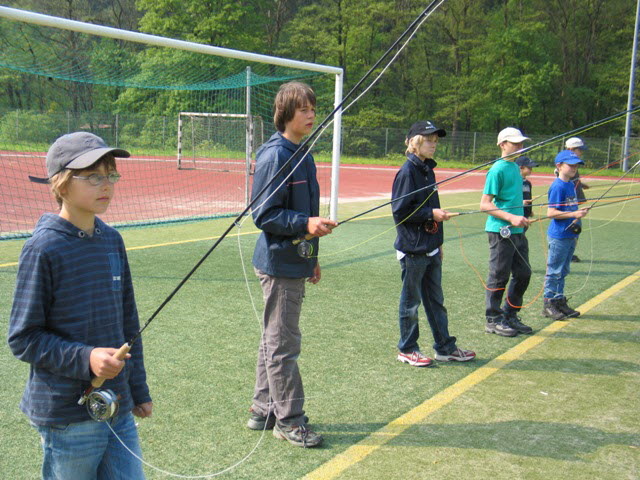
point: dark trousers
(507, 257)
(422, 282)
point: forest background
(542, 65)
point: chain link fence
(158, 135)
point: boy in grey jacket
(288, 209)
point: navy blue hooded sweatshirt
(412, 212)
(283, 211)
(73, 293)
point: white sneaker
(415, 359)
(458, 355)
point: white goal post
(83, 27)
(212, 141)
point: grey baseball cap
(77, 150)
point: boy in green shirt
(508, 246)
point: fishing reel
(305, 249)
(431, 226)
(102, 404)
(505, 232)
(575, 228)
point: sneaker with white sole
(415, 359)
(458, 355)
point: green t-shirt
(504, 182)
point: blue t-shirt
(562, 196)
(504, 182)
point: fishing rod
(472, 212)
(102, 404)
(505, 231)
(305, 249)
(573, 224)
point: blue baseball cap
(568, 157)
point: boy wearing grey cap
(73, 308)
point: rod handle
(120, 354)
(309, 236)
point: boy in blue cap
(562, 234)
(73, 308)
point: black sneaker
(258, 422)
(551, 310)
(500, 328)
(515, 322)
(298, 435)
(566, 309)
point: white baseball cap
(575, 142)
(512, 135)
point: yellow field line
(166, 244)
(370, 444)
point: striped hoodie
(73, 293)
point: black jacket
(411, 213)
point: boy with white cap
(508, 247)
(577, 146)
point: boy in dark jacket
(418, 217)
(73, 308)
(288, 209)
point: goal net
(136, 91)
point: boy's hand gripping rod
(98, 381)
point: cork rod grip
(120, 354)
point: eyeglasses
(96, 179)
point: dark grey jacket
(283, 211)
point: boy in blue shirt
(508, 253)
(73, 308)
(562, 235)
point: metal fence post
(386, 141)
(473, 154)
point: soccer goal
(219, 142)
(129, 88)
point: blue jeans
(558, 265)
(422, 281)
(89, 450)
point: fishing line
(90, 392)
(520, 152)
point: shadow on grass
(586, 366)
(612, 318)
(561, 441)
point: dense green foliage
(543, 65)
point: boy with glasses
(73, 308)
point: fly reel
(576, 228)
(505, 232)
(305, 249)
(102, 405)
